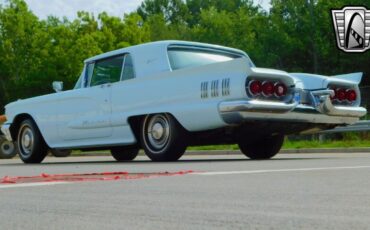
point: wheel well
(135, 123)
(16, 123)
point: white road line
(31, 184)
(278, 170)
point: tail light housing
(343, 95)
(267, 89)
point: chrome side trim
(214, 88)
(5, 129)
(226, 87)
(204, 89)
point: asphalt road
(292, 191)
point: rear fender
(351, 77)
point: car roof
(153, 47)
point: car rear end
(277, 96)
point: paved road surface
(305, 191)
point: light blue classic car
(165, 96)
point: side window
(107, 71)
(128, 68)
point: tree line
(293, 35)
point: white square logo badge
(352, 28)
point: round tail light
(351, 95)
(268, 88)
(280, 89)
(255, 87)
(340, 94)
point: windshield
(181, 58)
(79, 83)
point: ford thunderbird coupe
(164, 96)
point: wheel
(264, 148)
(122, 154)
(60, 152)
(8, 149)
(162, 138)
(31, 145)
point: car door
(122, 103)
(85, 113)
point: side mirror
(58, 86)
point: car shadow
(148, 162)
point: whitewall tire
(30, 143)
(162, 137)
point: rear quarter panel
(179, 93)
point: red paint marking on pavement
(7, 180)
(77, 177)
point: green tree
(174, 11)
(21, 55)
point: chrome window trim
(203, 48)
(123, 67)
(88, 78)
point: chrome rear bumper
(321, 110)
(326, 107)
(256, 106)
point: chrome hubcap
(27, 141)
(7, 147)
(158, 132)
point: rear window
(181, 58)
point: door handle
(106, 85)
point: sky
(69, 8)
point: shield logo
(352, 28)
